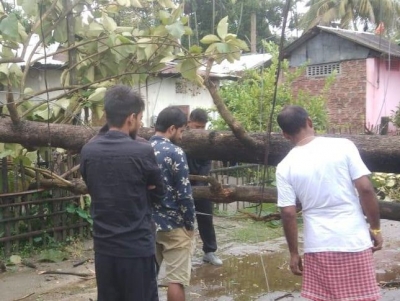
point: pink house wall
(382, 91)
(345, 98)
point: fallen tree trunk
(255, 194)
(230, 194)
(380, 153)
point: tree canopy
(268, 16)
(352, 14)
(98, 53)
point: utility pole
(72, 52)
(213, 18)
(71, 41)
(253, 33)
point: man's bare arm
(370, 206)
(289, 220)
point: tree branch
(11, 60)
(45, 33)
(215, 185)
(237, 129)
(250, 194)
(71, 171)
(12, 108)
(44, 16)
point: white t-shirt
(320, 175)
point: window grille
(180, 87)
(323, 69)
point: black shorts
(126, 279)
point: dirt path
(255, 268)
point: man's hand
(296, 264)
(377, 240)
(151, 187)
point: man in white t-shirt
(340, 212)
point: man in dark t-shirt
(118, 172)
(204, 207)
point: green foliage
(82, 209)
(395, 118)
(268, 18)
(250, 99)
(351, 14)
(52, 255)
(387, 186)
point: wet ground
(251, 271)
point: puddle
(243, 277)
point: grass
(237, 226)
(73, 246)
(255, 231)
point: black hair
(199, 115)
(120, 102)
(105, 128)
(168, 117)
(292, 119)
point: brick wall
(346, 97)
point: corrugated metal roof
(226, 70)
(374, 42)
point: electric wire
(270, 121)
(47, 93)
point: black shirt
(199, 167)
(117, 171)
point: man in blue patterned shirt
(174, 214)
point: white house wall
(35, 81)
(163, 92)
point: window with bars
(323, 69)
(180, 87)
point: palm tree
(351, 13)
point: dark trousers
(205, 223)
(126, 279)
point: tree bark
(380, 153)
(237, 129)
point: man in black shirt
(119, 172)
(204, 207)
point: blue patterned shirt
(176, 210)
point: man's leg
(107, 284)
(176, 292)
(137, 278)
(159, 256)
(204, 216)
(206, 226)
(177, 255)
